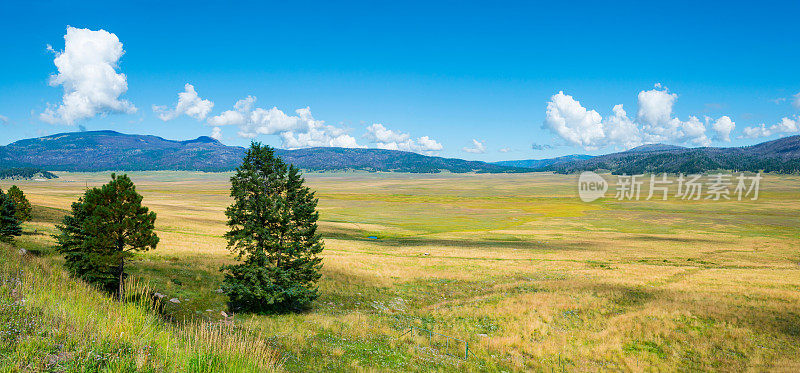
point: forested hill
(25, 173)
(540, 163)
(782, 155)
(110, 150)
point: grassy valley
(513, 264)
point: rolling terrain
(781, 156)
(109, 150)
(541, 163)
(514, 264)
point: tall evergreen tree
(9, 224)
(23, 206)
(107, 225)
(273, 232)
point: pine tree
(9, 224)
(273, 232)
(107, 225)
(23, 206)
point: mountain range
(781, 155)
(110, 150)
(542, 163)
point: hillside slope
(50, 322)
(110, 150)
(539, 163)
(781, 155)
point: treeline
(14, 209)
(25, 173)
(688, 162)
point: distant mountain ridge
(781, 155)
(110, 150)
(540, 163)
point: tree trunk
(121, 249)
(121, 278)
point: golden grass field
(516, 265)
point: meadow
(531, 277)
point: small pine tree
(106, 226)
(23, 206)
(9, 224)
(273, 229)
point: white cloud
(477, 147)
(428, 144)
(296, 131)
(318, 137)
(655, 114)
(384, 138)
(380, 134)
(189, 103)
(722, 128)
(216, 133)
(756, 132)
(229, 117)
(785, 126)
(504, 150)
(796, 100)
(87, 71)
(655, 122)
(3, 119)
(572, 122)
(694, 131)
(658, 125)
(621, 130)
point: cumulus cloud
(785, 126)
(477, 147)
(658, 124)
(216, 133)
(428, 144)
(504, 150)
(654, 122)
(586, 128)
(384, 138)
(655, 114)
(189, 103)
(694, 132)
(87, 71)
(295, 131)
(620, 129)
(380, 134)
(722, 128)
(756, 132)
(572, 122)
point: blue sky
(452, 72)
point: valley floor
(515, 265)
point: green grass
(515, 265)
(49, 322)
